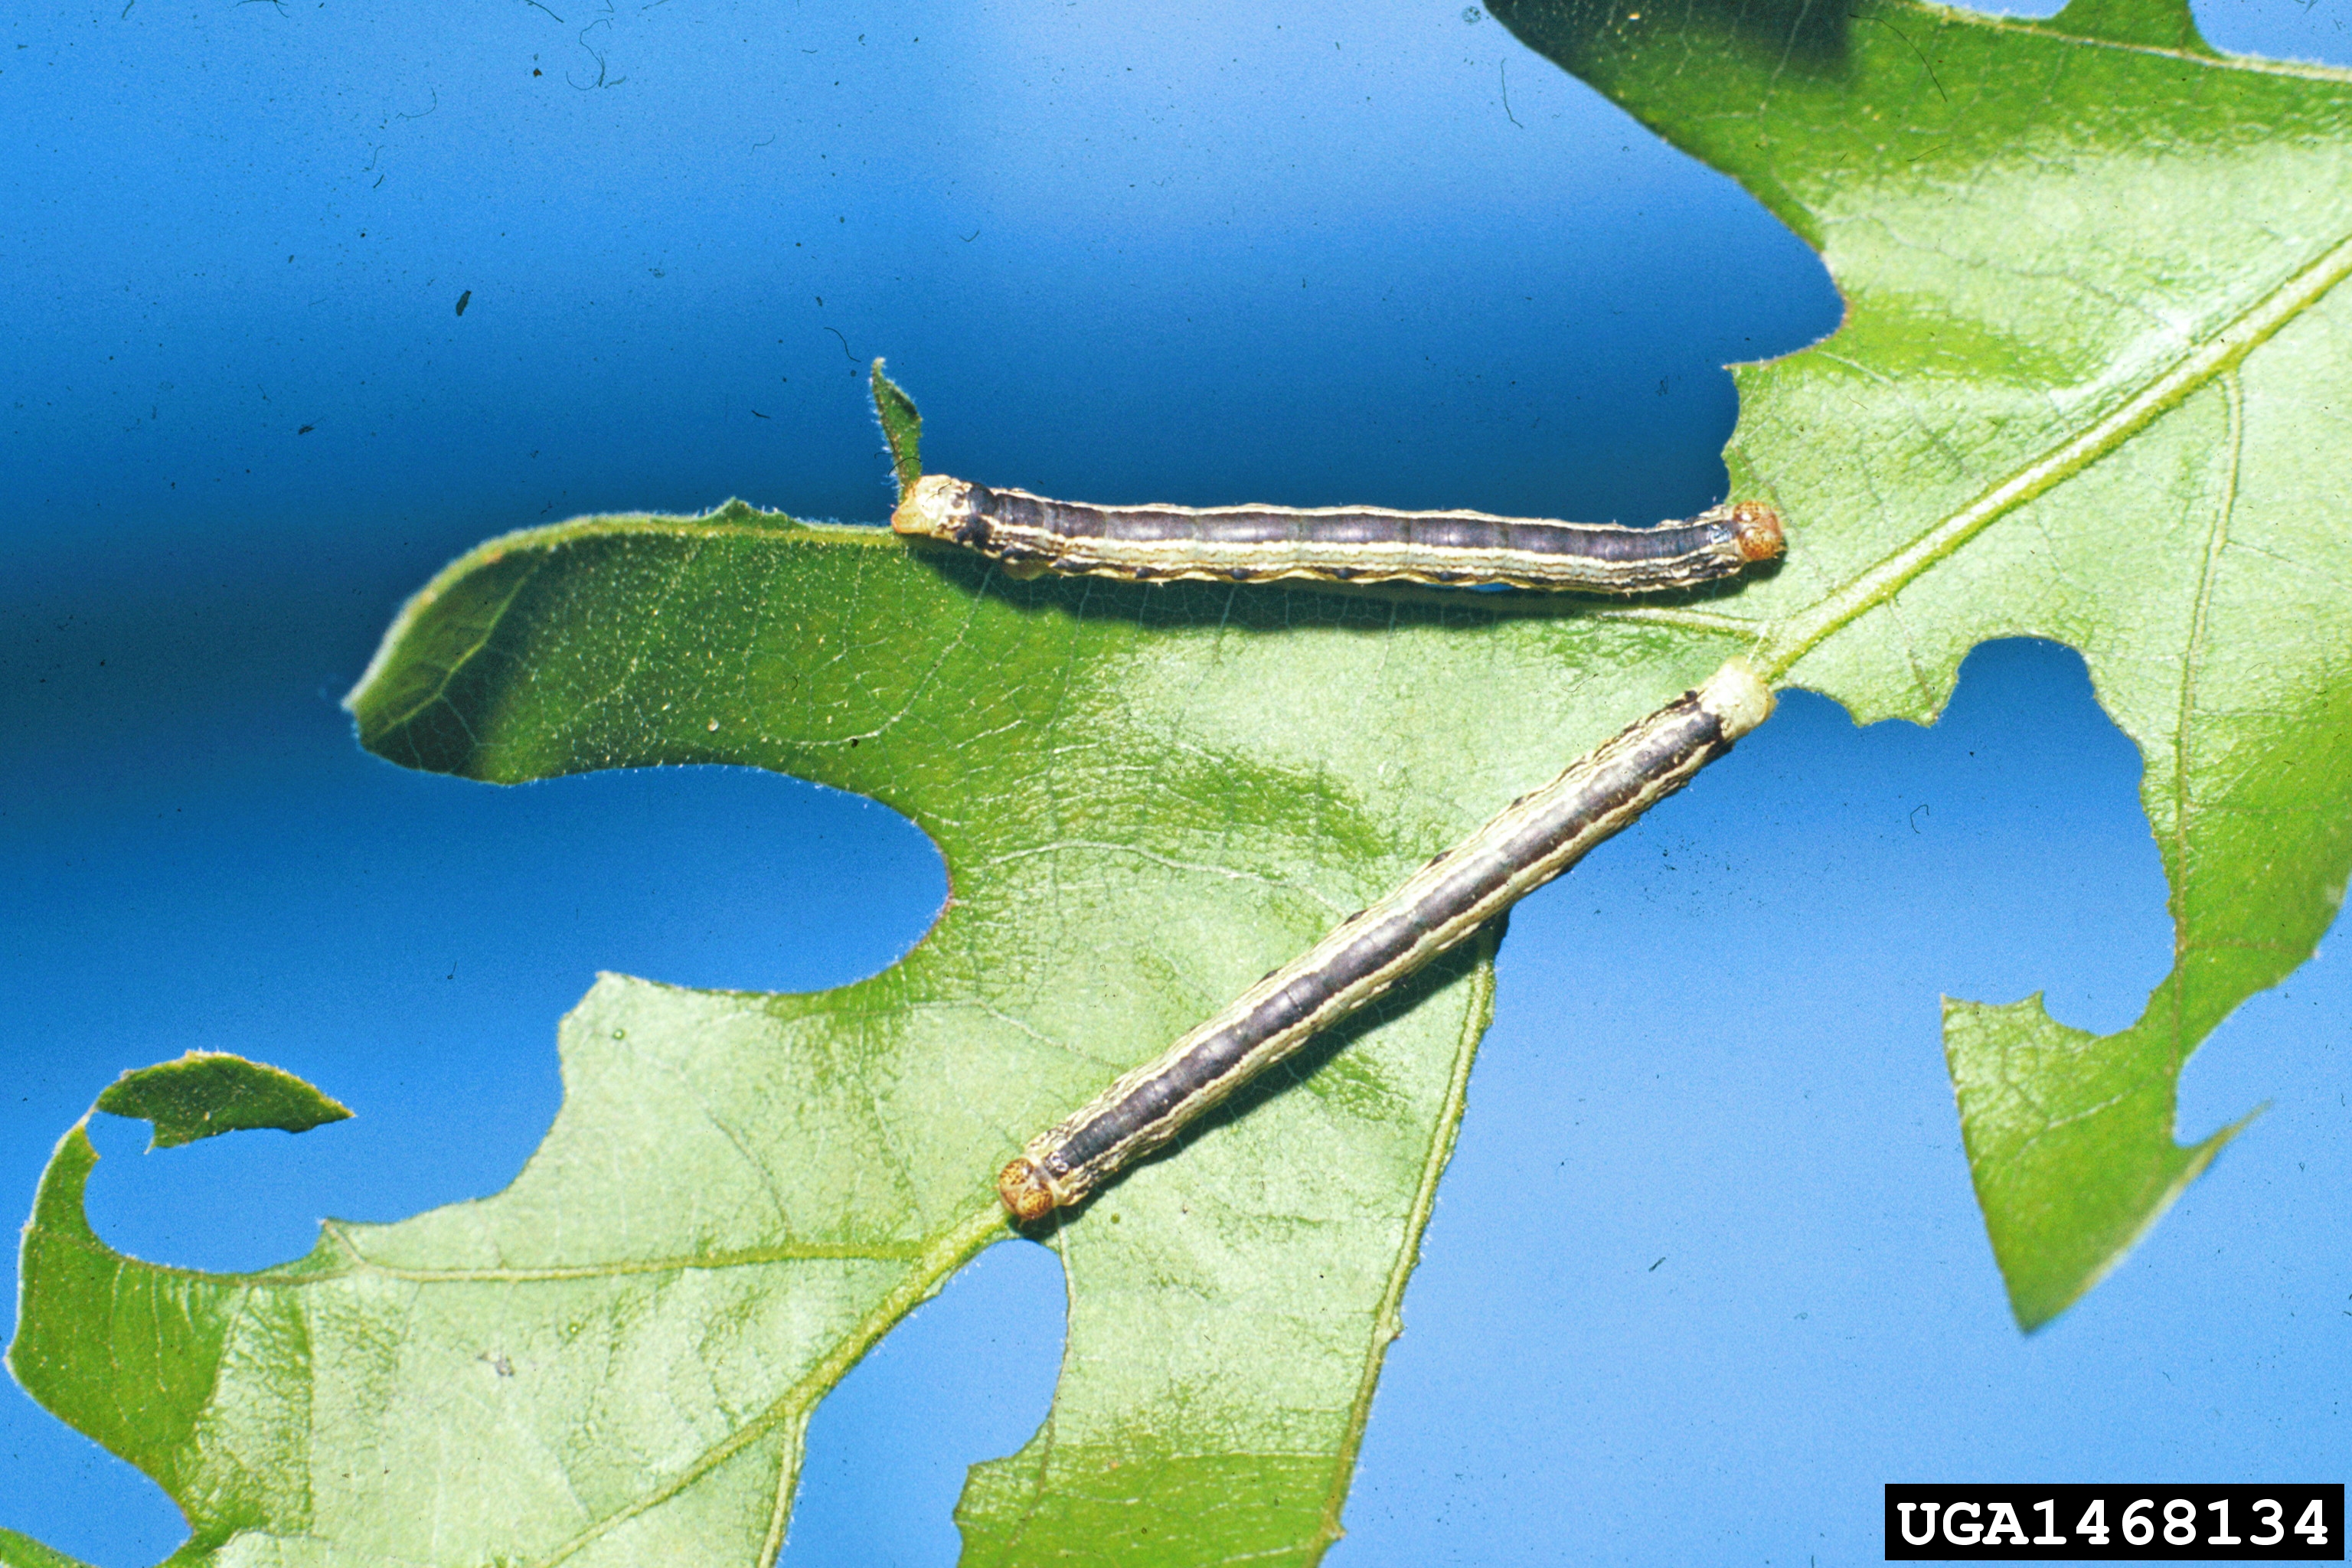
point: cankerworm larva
(1347, 545)
(1532, 840)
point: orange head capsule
(1758, 530)
(1027, 1191)
(936, 506)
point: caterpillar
(1528, 844)
(1030, 535)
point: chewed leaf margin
(131, 1352)
(205, 1093)
(2081, 391)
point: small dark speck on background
(461, 300)
(306, 429)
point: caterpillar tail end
(1027, 1191)
(1738, 698)
(1758, 528)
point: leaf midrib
(1784, 645)
(733, 1258)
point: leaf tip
(902, 427)
(205, 1093)
(2036, 1310)
(2070, 1145)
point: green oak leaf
(2092, 385)
(1145, 798)
(2084, 391)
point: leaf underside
(2088, 389)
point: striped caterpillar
(1031, 534)
(1531, 841)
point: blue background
(1707, 1269)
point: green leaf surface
(1147, 797)
(2092, 385)
(902, 429)
(153, 1362)
(205, 1093)
(2089, 388)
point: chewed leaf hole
(415, 975)
(969, 1376)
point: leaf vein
(2216, 357)
(949, 1251)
